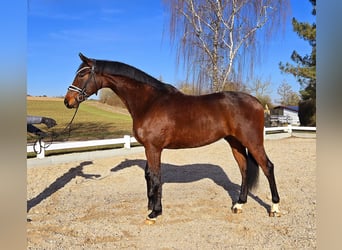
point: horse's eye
(82, 74)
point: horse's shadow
(185, 174)
(60, 182)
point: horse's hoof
(275, 210)
(275, 214)
(150, 221)
(236, 210)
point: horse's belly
(193, 140)
(183, 144)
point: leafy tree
(186, 88)
(305, 70)
(107, 96)
(235, 86)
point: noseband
(82, 94)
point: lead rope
(39, 143)
(68, 126)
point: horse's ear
(84, 58)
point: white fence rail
(40, 148)
(288, 129)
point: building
(282, 115)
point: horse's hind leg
(268, 169)
(239, 153)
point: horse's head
(84, 84)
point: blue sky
(134, 32)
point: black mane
(122, 69)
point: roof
(292, 108)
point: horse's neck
(136, 96)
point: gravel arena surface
(102, 203)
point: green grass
(91, 122)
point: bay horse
(163, 117)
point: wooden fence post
(127, 140)
(41, 150)
(264, 133)
(289, 129)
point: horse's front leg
(149, 187)
(153, 182)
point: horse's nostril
(66, 103)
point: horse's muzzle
(67, 104)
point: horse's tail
(252, 172)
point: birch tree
(217, 38)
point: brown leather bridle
(82, 94)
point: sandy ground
(102, 204)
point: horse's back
(183, 121)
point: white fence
(41, 147)
(288, 129)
